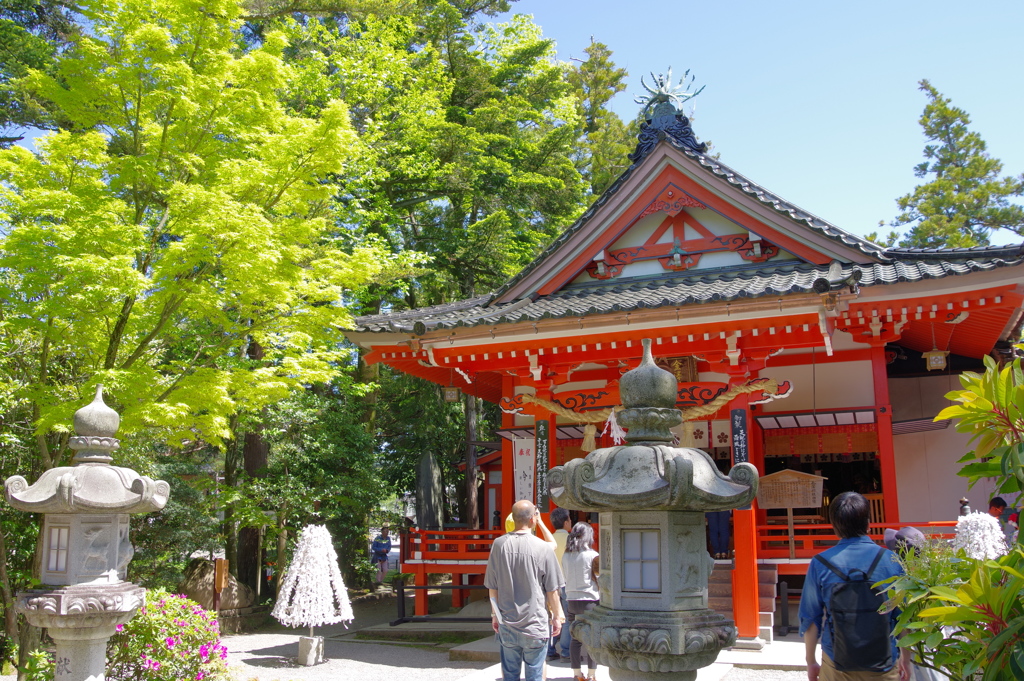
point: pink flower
(120, 627)
(170, 641)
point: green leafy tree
(321, 468)
(469, 133)
(606, 141)
(967, 198)
(177, 240)
(166, 541)
(440, 429)
(188, 220)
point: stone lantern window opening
(641, 560)
(58, 548)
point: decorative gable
(671, 234)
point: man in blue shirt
(380, 549)
(850, 513)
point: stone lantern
(85, 544)
(653, 620)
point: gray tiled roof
(678, 290)
(1006, 252)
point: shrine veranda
(733, 284)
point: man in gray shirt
(523, 580)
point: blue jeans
(517, 650)
(560, 646)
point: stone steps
(720, 595)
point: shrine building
(833, 353)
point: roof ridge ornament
(664, 92)
(663, 115)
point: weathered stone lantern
(653, 620)
(85, 544)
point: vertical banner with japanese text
(543, 434)
(740, 449)
(739, 436)
(525, 460)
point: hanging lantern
(935, 359)
(452, 394)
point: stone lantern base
(80, 619)
(669, 646)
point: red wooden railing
(437, 545)
(811, 539)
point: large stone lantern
(85, 544)
(653, 620)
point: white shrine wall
(826, 386)
(926, 463)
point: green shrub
(40, 666)
(365, 573)
(171, 638)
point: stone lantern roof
(648, 473)
(92, 485)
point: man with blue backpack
(840, 606)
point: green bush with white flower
(171, 638)
(962, 604)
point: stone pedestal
(80, 619)
(311, 650)
(637, 645)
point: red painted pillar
(458, 595)
(508, 455)
(420, 599)
(883, 419)
(746, 610)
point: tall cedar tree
(32, 34)
(470, 133)
(606, 141)
(966, 199)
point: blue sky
(817, 101)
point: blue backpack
(861, 635)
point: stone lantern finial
(95, 427)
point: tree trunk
(369, 373)
(29, 637)
(472, 516)
(255, 451)
(282, 549)
(231, 466)
(10, 617)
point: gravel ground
(269, 656)
(737, 674)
